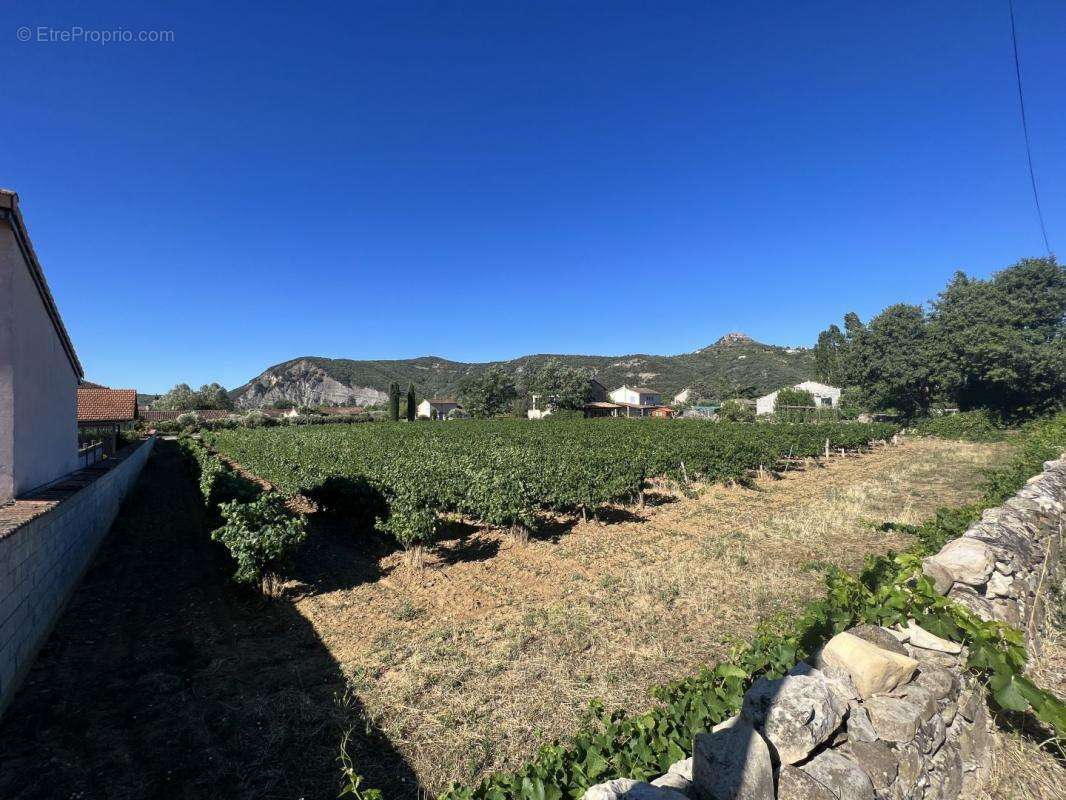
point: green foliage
(794, 405)
(562, 385)
(394, 401)
(183, 398)
(736, 411)
(488, 394)
(971, 426)
(411, 403)
(1001, 343)
(507, 471)
(262, 536)
(891, 360)
(829, 356)
(997, 344)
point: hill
(734, 365)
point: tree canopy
(183, 398)
(488, 394)
(998, 344)
(567, 386)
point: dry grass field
(467, 665)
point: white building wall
(38, 384)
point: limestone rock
(947, 764)
(877, 760)
(859, 727)
(919, 637)
(840, 775)
(795, 784)
(838, 680)
(671, 780)
(911, 768)
(877, 635)
(629, 789)
(967, 560)
(921, 697)
(999, 585)
(930, 735)
(938, 574)
(732, 764)
(679, 777)
(972, 600)
(794, 713)
(895, 719)
(940, 682)
(872, 669)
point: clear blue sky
(480, 181)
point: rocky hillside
(734, 365)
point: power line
(1025, 127)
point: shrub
(189, 420)
(262, 536)
(736, 411)
(794, 405)
(971, 426)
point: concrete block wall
(43, 559)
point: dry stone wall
(883, 714)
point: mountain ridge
(733, 365)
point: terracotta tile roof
(106, 405)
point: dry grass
(468, 664)
(1021, 769)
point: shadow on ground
(161, 680)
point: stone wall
(47, 541)
(884, 714)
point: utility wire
(1025, 127)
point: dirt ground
(164, 681)
(469, 664)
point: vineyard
(507, 472)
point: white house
(39, 370)
(636, 396)
(824, 397)
(442, 406)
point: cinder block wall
(42, 561)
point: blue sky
(480, 181)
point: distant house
(636, 396)
(438, 408)
(824, 397)
(663, 412)
(103, 412)
(637, 401)
(39, 370)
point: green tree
(180, 398)
(488, 394)
(829, 356)
(891, 360)
(568, 387)
(394, 401)
(1000, 344)
(411, 402)
(213, 396)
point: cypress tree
(411, 403)
(394, 401)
